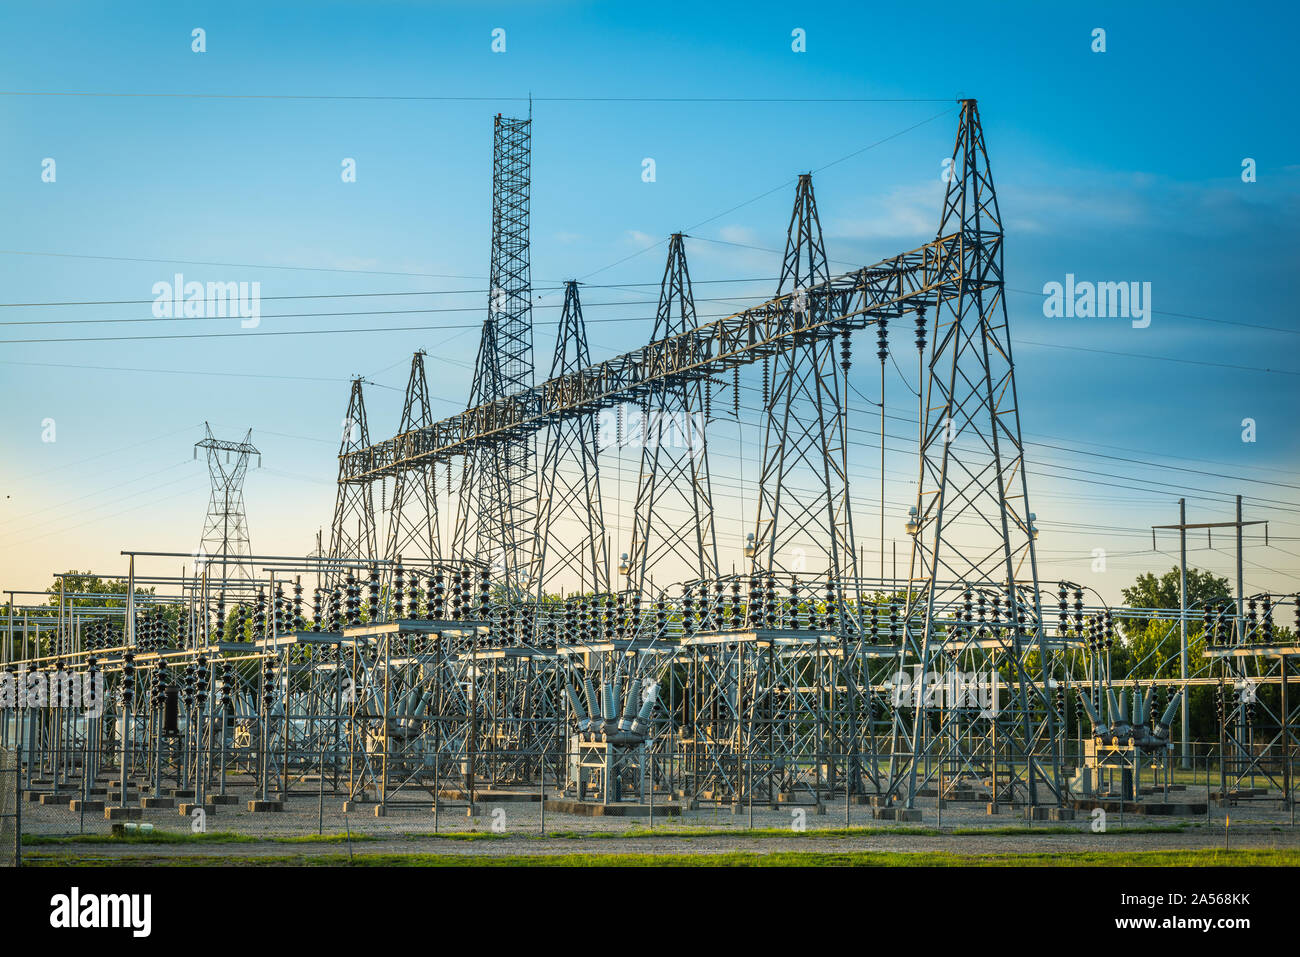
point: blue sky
(1116, 166)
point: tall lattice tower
(224, 551)
(352, 533)
(673, 523)
(499, 483)
(413, 516)
(803, 486)
(569, 548)
(972, 531)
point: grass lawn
(1184, 858)
(159, 836)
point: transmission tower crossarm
(210, 441)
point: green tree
(1150, 648)
(1148, 591)
(84, 583)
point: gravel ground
(895, 843)
(515, 828)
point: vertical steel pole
(1241, 588)
(882, 464)
(1286, 737)
(129, 633)
(18, 802)
(1182, 627)
(1241, 624)
(9, 644)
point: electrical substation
(479, 639)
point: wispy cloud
(739, 234)
(905, 212)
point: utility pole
(1182, 630)
(882, 352)
(1239, 626)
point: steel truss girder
(852, 301)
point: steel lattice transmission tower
(499, 481)
(480, 505)
(224, 549)
(569, 545)
(413, 517)
(803, 485)
(673, 521)
(973, 531)
(352, 533)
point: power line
(205, 372)
(196, 262)
(545, 289)
(427, 328)
(1145, 355)
(318, 315)
(475, 99)
(783, 185)
(1187, 315)
(116, 450)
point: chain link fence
(11, 821)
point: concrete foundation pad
(78, 805)
(1188, 809)
(562, 806)
(442, 807)
(1239, 793)
(185, 810)
(264, 807)
(1140, 808)
(490, 797)
(122, 813)
(912, 814)
(158, 802)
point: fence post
(11, 791)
